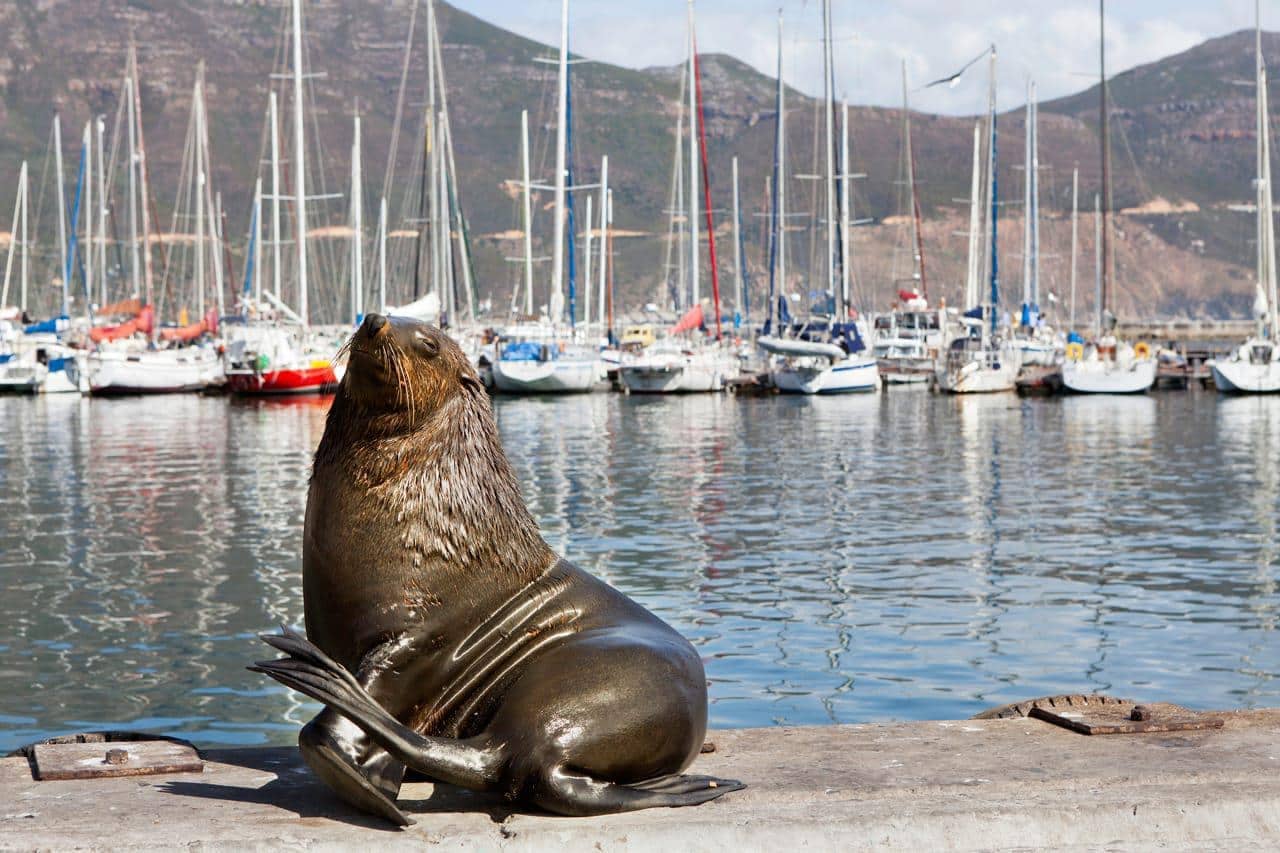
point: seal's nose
(374, 323)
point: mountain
(1182, 144)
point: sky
(1054, 41)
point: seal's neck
(448, 482)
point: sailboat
(684, 361)
(982, 359)
(1254, 367)
(281, 356)
(541, 358)
(1108, 365)
(36, 358)
(822, 355)
(136, 357)
(909, 338)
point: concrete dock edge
(958, 785)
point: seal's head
(404, 369)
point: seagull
(951, 80)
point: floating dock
(961, 785)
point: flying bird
(951, 80)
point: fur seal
(444, 633)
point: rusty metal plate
(52, 761)
(1059, 703)
(1115, 718)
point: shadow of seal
(443, 633)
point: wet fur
(443, 633)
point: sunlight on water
(900, 556)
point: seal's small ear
(471, 383)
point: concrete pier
(962, 785)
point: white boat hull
(563, 376)
(976, 378)
(854, 374)
(60, 375)
(675, 375)
(1245, 377)
(153, 372)
(1109, 377)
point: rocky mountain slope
(1183, 143)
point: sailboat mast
(144, 192)
(739, 296)
(62, 213)
(1266, 222)
(1026, 211)
(829, 131)
(382, 254)
(24, 193)
(562, 122)
(917, 237)
(357, 225)
(257, 240)
(586, 261)
(1104, 141)
(780, 169)
(199, 193)
(1269, 231)
(88, 212)
(1035, 201)
(846, 213)
(972, 276)
(300, 165)
(131, 117)
(694, 295)
(604, 242)
(528, 213)
(1097, 262)
(102, 212)
(994, 185)
(453, 202)
(13, 240)
(1075, 240)
(275, 195)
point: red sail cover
(184, 334)
(140, 323)
(121, 309)
(691, 320)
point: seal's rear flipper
(344, 776)
(310, 671)
(581, 796)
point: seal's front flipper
(581, 796)
(340, 772)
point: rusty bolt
(117, 756)
(1140, 713)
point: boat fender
(1142, 350)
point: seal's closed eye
(426, 344)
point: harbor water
(898, 556)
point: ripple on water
(898, 556)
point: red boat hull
(300, 380)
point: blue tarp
(55, 324)
(57, 364)
(5, 357)
(1074, 338)
(527, 351)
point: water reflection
(873, 557)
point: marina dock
(951, 785)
